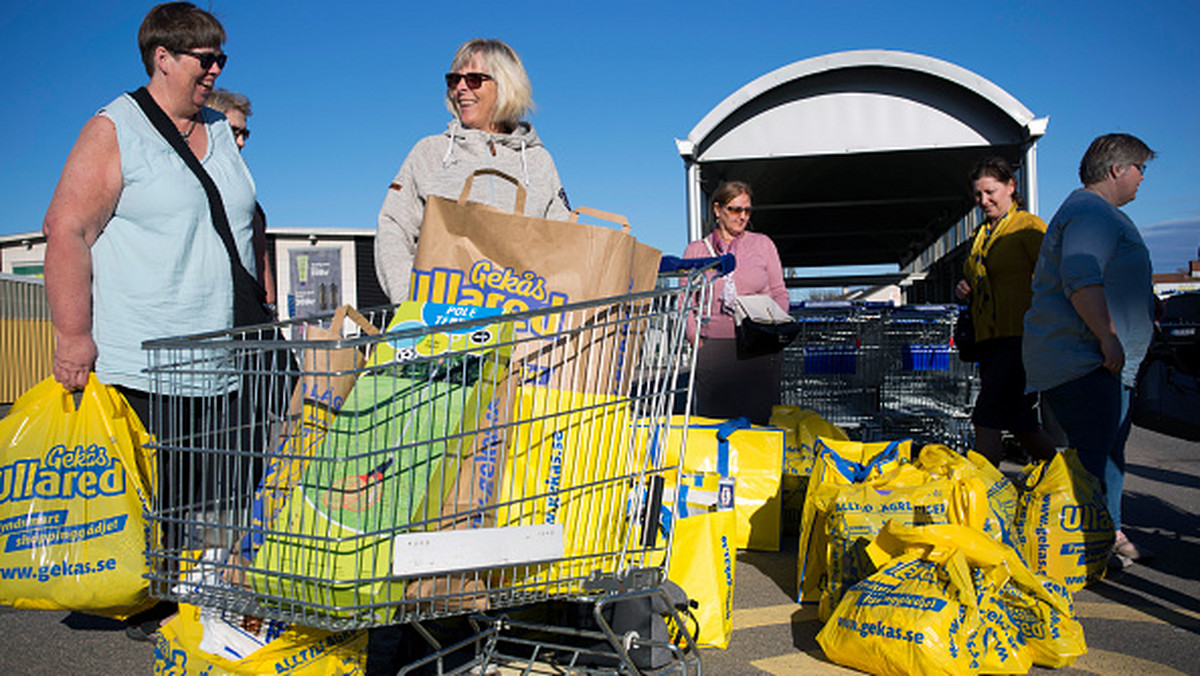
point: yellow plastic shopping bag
(1038, 606)
(940, 604)
(857, 513)
(704, 562)
(752, 456)
(943, 461)
(74, 484)
(802, 426)
(1062, 528)
(202, 642)
(562, 466)
(839, 463)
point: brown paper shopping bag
(474, 254)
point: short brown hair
(1112, 150)
(178, 26)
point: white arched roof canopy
(872, 145)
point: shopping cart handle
(725, 263)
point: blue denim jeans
(1094, 411)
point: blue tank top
(159, 268)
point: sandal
(1129, 551)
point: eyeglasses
(738, 210)
(1141, 167)
(474, 80)
(240, 132)
(206, 59)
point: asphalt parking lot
(1144, 620)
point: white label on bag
(458, 550)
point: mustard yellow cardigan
(1000, 270)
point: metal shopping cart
(927, 392)
(455, 465)
(833, 365)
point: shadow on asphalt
(1164, 476)
(1132, 581)
(768, 563)
(85, 622)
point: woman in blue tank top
(131, 250)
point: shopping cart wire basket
(458, 463)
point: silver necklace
(192, 128)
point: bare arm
(83, 202)
(262, 257)
(1092, 306)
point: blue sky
(341, 91)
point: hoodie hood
(460, 140)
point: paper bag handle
(339, 317)
(518, 209)
(602, 215)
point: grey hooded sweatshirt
(440, 165)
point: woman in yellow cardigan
(998, 272)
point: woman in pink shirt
(729, 385)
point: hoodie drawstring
(524, 163)
(450, 144)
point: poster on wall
(316, 276)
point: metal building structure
(860, 157)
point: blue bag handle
(858, 472)
(726, 429)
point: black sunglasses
(206, 59)
(240, 132)
(474, 80)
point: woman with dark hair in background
(999, 271)
(1092, 317)
(729, 385)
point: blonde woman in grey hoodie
(488, 93)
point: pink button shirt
(758, 272)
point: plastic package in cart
(402, 440)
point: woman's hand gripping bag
(74, 482)
(931, 608)
(839, 463)
(1062, 528)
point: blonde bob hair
(514, 93)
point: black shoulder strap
(215, 206)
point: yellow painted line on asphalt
(801, 663)
(750, 618)
(1105, 663)
(1117, 611)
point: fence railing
(26, 335)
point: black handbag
(249, 297)
(964, 337)
(1167, 399)
(757, 338)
